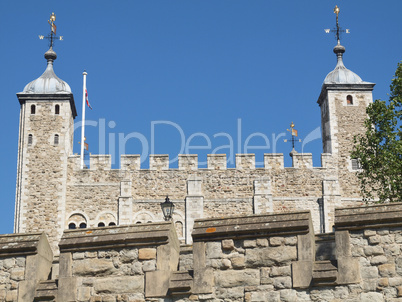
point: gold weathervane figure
(338, 30)
(294, 134)
(51, 22)
(52, 36)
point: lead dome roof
(48, 82)
(341, 75)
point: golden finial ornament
(52, 36)
(336, 10)
(294, 134)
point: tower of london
(247, 233)
(55, 194)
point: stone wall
(132, 195)
(270, 257)
(25, 260)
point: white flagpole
(83, 119)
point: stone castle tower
(45, 141)
(54, 193)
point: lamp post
(167, 209)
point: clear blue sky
(202, 65)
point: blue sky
(203, 66)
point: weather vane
(293, 132)
(338, 30)
(52, 36)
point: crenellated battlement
(160, 162)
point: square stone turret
(45, 142)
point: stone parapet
(216, 161)
(26, 260)
(328, 161)
(302, 160)
(118, 237)
(354, 218)
(188, 161)
(292, 223)
(273, 161)
(271, 257)
(245, 161)
(22, 244)
(100, 161)
(158, 161)
(130, 162)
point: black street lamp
(167, 209)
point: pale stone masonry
(53, 193)
(271, 257)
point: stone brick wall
(12, 270)
(223, 191)
(252, 269)
(275, 257)
(112, 274)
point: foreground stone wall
(275, 257)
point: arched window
(57, 109)
(30, 139)
(78, 220)
(349, 100)
(112, 224)
(179, 228)
(56, 139)
(72, 226)
(101, 224)
(33, 109)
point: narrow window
(356, 164)
(56, 139)
(30, 139)
(57, 109)
(349, 100)
(101, 224)
(83, 225)
(179, 228)
(72, 226)
(33, 109)
(111, 224)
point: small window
(356, 164)
(179, 228)
(33, 109)
(349, 100)
(30, 139)
(83, 225)
(111, 224)
(72, 226)
(56, 139)
(57, 109)
(101, 224)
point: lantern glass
(167, 209)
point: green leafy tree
(379, 150)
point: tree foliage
(379, 149)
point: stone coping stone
(146, 234)
(20, 244)
(254, 226)
(384, 215)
